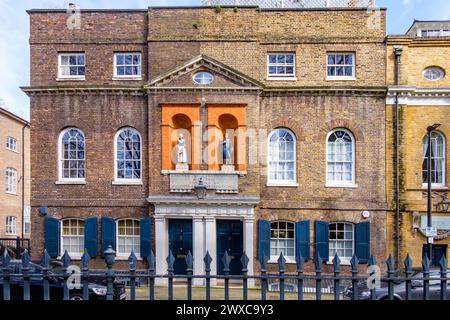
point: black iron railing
(370, 285)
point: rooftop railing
(294, 4)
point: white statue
(227, 150)
(182, 156)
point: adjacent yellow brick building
(15, 180)
(418, 78)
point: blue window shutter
(302, 240)
(263, 239)
(321, 239)
(91, 236)
(146, 237)
(52, 232)
(108, 234)
(362, 241)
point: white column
(211, 245)
(199, 248)
(248, 247)
(161, 248)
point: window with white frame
(281, 157)
(341, 66)
(128, 237)
(127, 65)
(72, 164)
(26, 220)
(128, 155)
(340, 158)
(341, 240)
(282, 240)
(11, 180)
(71, 66)
(72, 237)
(437, 159)
(11, 144)
(431, 33)
(11, 225)
(280, 65)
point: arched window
(128, 157)
(128, 237)
(282, 240)
(437, 159)
(72, 155)
(72, 237)
(340, 158)
(281, 157)
(341, 240)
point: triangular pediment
(224, 76)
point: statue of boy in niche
(227, 150)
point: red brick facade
(238, 40)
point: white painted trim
(125, 255)
(118, 181)
(280, 183)
(414, 96)
(281, 77)
(70, 78)
(341, 184)
(444, 160)
(70, 182)
(127, 182)
(62, 180)
(126, 77)
(344, 260)
(342, 78)
(73, 255)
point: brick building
(297, 96)
(421, 87)
(15, 182)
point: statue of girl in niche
(182, 155)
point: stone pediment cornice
(205, 62)
(81, 90)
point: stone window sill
(332, 185)
(288, 261)
(281, 79)
(127, 78)
(341, 78)
(71, 79)
(11, 193)
(127, 183)
(283, 185)
(70, 182)
(434, 187)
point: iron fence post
(281, 269)
(390, 273)
(189, 272)
(170, 261)
(45, 274)
(151, 274)
(26, 275)
(354, 263)
(443, 270)
(207, 260)
(18, 249)
(244, 261)
(408, 272)
(85, 259)
(66, 264)
(300, 268)
(110, 255)
(318, 264)
(426, 277)
(132, 261)
(263, 261)
(226, 270)
(6, 276)
(336, 270)
(372, 263)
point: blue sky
(14, 28)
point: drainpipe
(398, 50)
(23, 176)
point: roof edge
(14, 116)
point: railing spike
(170, 261)
(408, 263)
(66, 259)
(425, 263)
(151, 260)
(354, 263)
(336, 263)
(390, 264)
(207, 260)
(46, 260)
(244, 260)
(300, 263)
(318, 261)
(282, 263)
(189, 261)
(132, 260)
(25, 259)
(443, 264)
(226, 262)
(85, 259)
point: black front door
(230, 239)
(180, 242)
(438, 252)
